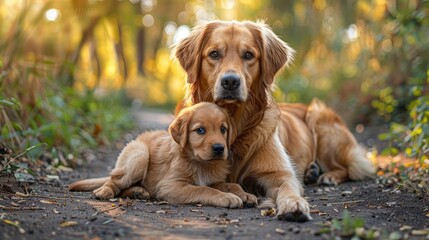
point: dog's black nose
(218, 148)
(230, 81)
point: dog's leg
(184, 193)
(279, 181)
(248, 199)
(131, 167)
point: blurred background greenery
(68, 68)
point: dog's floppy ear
(179, 128)
(189, 50)
(275, 53)
(188, 53)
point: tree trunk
(120, 54)
(68, 67)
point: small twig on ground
(348, 202)
(105, 210)
(49, 197)
(21, 208)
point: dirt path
(51, 212)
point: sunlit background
(366, 59)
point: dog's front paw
(104, 193)
(228, 200)
(328, 179)
(312, 174)
(293, 209)
(248, 199)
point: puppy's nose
(218, 148)
(230, 81)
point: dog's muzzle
(230, 83)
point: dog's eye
(200, 131)
(248, 56)
(214, 55)
(223, 129)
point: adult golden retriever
(233, 64)
(188, 166)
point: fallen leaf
(53, 178)
(15, 224)
(420, 232)
(405, 228)
(55, 211)
(345, 193)
(268, 212)
(68, 224)
(427, 214)
(280, 231)
(48, 201)
(107, 221)
(20, 194)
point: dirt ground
(44, 209)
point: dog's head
(204, 131)
(230, 60)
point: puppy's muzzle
(218, 149)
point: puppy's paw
(104, 193)
(248, 199)
(328, 179)
(294, 209)
(311, 174)
(229, 200)
(135, 192)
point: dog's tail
(359, 166)
(336, 134)
(88, 184)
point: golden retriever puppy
(188, 164)
(233, 64)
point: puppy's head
(203, 131)
(231, 59)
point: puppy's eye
(215, 55)
(223, 129)
(200, 131)
(248, 56)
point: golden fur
(233, 64)
(178, 167)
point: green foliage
(66, 121)
(409, 102)
(347, 226)
(413, 136)
(354, 228)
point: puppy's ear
(232, 133)
(179, 128)
(275, 53)
(189, 50)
